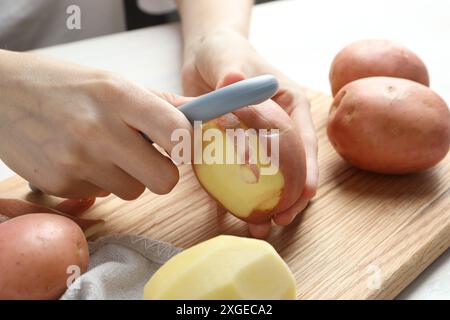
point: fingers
(260, 231)
(80, 189)
(142, 165)
(299, 109)
(172, 98)
(302, 120)
(75, 207)
(118, 182)
(286, 217)
(193, 83)
(218, 73)
(296, 104)
(154, 116)
(230, 78)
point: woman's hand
(225, 57)
(73, 132)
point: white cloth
(31, 24)
(119, 267)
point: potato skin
(35, 251)
(373, 58)
(292, 158)
(389, 125)
(292, 155)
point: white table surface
(301, 38)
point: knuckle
(286, 99)
(110, 87)
(69, 162)
(170, 97)
(178, 121)
(175, 125)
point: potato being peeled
(373, 58)
(389, 125)
(37, 254)
(253, 190)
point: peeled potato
(373, 58)
(225, 267)
(389, 125)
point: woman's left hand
(225, 57)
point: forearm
(201, 18)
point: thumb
(230, 78)
(222, 71)
(172, 98)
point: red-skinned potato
(35, 253)
(241, 188)
(373, 58)
(69, 208)
(389, 125)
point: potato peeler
(225, 100)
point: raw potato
(225, 267)
(240, 188)
(389, 125)
(371, 58)
(14, 208)
(35, 253)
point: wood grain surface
(364, 236)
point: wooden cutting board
(364, 236)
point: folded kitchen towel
(119, 267)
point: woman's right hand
(73, 131)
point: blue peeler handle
(227, 99)
(224, 100)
